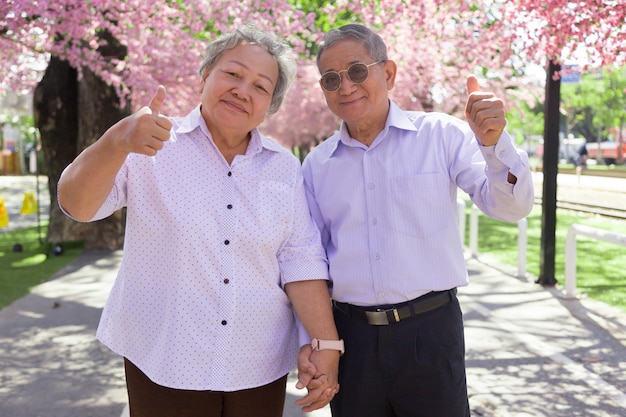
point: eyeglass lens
(357, 73)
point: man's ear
(390, 69)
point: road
(605, 190)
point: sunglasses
(357, 73)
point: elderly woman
(220, 248)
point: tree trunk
(99, 109)
(56, 116)
(550, 171)
(70, 116)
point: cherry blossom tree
(104, 58)
(133, 46)
(593, 31)
(435, 44)
(164, 41)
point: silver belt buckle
(380, 317)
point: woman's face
(237, 90)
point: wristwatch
(319, 344)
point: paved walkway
(530, 352)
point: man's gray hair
(374, 44)
(276, 48)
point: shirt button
(226, 281)
(229, 206)
(381, 294)
(370, 186)
(374, 221)
(377, 255)
(502, 153)
(226, 242)
(224, 322)
(230, 173)
(369, 152)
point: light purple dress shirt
(388, 213)
(198, 302)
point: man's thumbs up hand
(484, 112)
(472, 84)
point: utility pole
(550, 171)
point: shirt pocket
(420, 204)
(274, 208)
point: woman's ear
(203, 79)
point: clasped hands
(317, 372)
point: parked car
(609, 152)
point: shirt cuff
(503, 156)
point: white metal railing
(522, 236)
(461, 218)
(570, 251)
(522, 246)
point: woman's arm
(311, 301)
(87, 181)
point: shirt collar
(194, 121)
(396, 118)
(190, 122)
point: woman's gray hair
(374, 44)
(276, 48)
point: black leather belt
(383, 316)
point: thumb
(305, 377)
(306, 368)
(472, 84)
(157, 100)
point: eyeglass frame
(367, 66)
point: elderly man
(383, 193)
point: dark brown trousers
(147, 399)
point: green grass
(598, 168)
(36, 263)
(591, 167)
(600, 266)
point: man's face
(353, 102)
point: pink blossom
(435, 44)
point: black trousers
(414, 368)
(147, 399)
